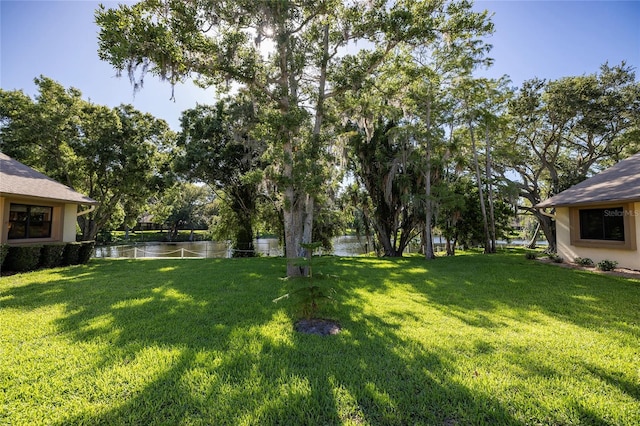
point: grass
(471, 339)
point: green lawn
(472, 339)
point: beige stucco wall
(3, 226)
(69, 220)
(63, 225)
(625, 258)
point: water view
(347, 245)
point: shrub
(607, 265)
(583, 261)
(309, 300)
(555, 258)
(4, 249)
(71, 254)
(22, 258)
(86, 251)
(51, 255)
(104, 237)
(530, 256)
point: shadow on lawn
(473, 289)
(250, 367)
(492, 294)
(232, 368)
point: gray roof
(20, 180)
(620, 182)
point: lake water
(342, 246)
(346, 245)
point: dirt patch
(618, 272)
(321, 327)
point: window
(27, 221)
(602, 224)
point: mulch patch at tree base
(321, 327)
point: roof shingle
(19, 179)
(621, 182)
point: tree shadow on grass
(217, 365)
(502, 295)
(475, 287)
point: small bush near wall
(22, 258)
(86, 251)
(607, 265)
(583, 261)
(71, 254)
(51, 255)
(555, 258)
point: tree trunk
(384, 237)
(88, 228)
(451, 246)
(428, 241)
(307, 225)
(533, 242)
(243, 246)
(488, 173)
(485, 224)
(293, 225)
(549, 229)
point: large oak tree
(308, 56)
(564, 130)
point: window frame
(629, 223)
(27, 223)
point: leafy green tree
(40, 132)
(183, 206)
(220, 42)
(413, 88)
(432, 82)
(123, 164)
(481, 106)
(117, 156)
(219, 149)
(356, 205)
(564, 130)
(459, 218)
(386, 164)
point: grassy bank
(466, 340)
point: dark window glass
(29, 221)
(602, 224)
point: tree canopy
(369, 107)
(117, 156)
(308, 61)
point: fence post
(182, 253)
(135, 252)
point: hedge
(51, 255)
(22, 258)
(71, 254)
(86, 251)
(4, 250)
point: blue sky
(546, 39)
